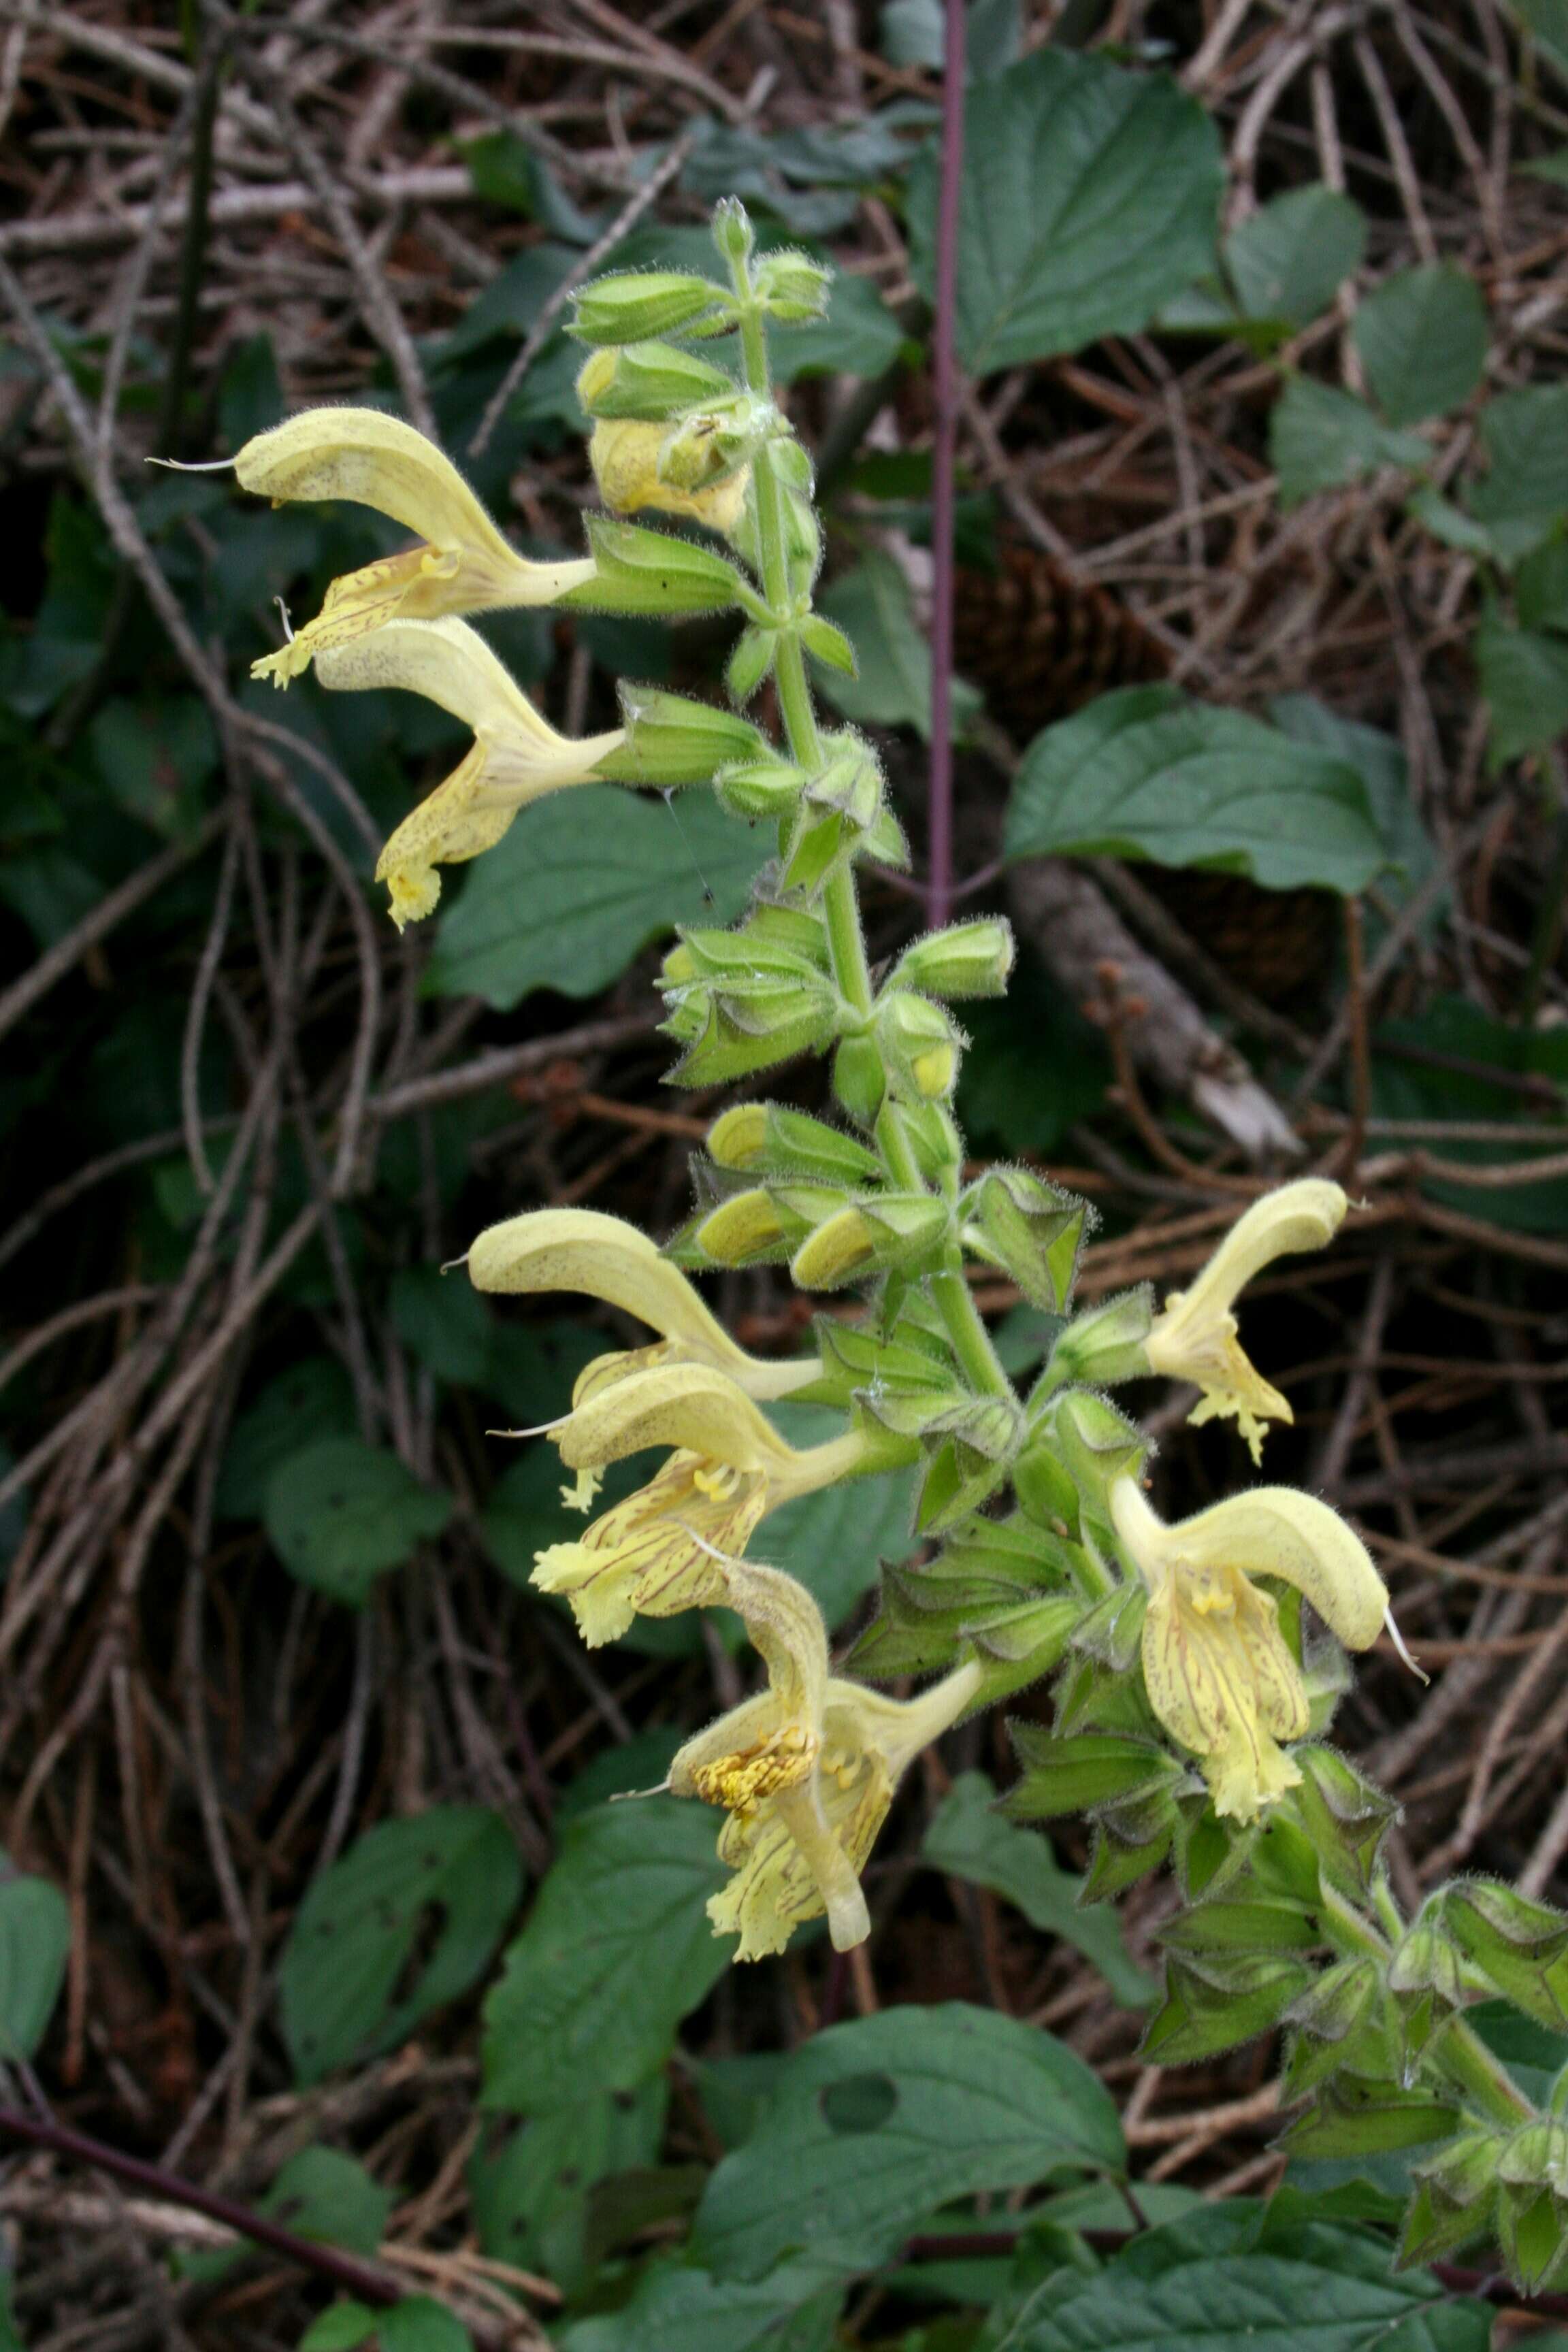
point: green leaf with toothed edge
(877, 2123)
(587, 916)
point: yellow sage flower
(1217, 1669)
(516, 758)
(463, 565)
(630, 460)
(805, 1771)
(655, 1551)
(1195, 1338)
(580, 1249)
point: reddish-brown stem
(947, 399)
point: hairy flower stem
(845, 937)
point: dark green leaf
(1458, 1062)
(529, 2181)
(443, 1319)
(580, 885)
(1524, 678)
(675, 2309)
(320, 2194)
(967, 1838)
(339, 2328)
(859, 336)
(1287, 260)
(34, 1939)
(1380, 762)
(420, 2324)
(879, 2122)
(1224, 2278)
(447, 1882)
(1525, 491)
(156, 757)
(340, 1513)
(873, 606)
(1090, 196)
(1421, 337)
(618, 1950)
(1140, 774)
(312, 1398)
(1320, 438)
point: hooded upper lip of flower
(515, 757)
(806, 1770)
(1218, 1672)
(464, 564)
(657, 1552)
(1195, 1337)
(581, 1249)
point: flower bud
(649, 573)
(858, 1080)
(1029, 1229)
(965, 960)
(1097, 1444)
(745, 1230)
(1532, 2205)
(835, 1254)
(1213, 2002)
(1346, 1815)
(1455, 2199)
(788, 1142)
(669, 467)
(1081, 1774)
(1044, 1487)
(1105, 1343)
(732, 231)
(1332, 2022)
(651, 382)
(750, 661)
(792, 286)
(636, 304)
(671, 740)
(920, 1043)
(1520, 1947)
(764, 787)
(933, 1135)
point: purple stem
(947, 395)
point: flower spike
(515, 757)
(1195, 1338)
(464, 565)
(1217, 1667)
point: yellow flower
(805, 1771)
(1195, 1338)
(1217, 1669)
(580, 1249)
(464, 564)
(632, 464)
(655, 1551)
(516, 758)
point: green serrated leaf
(451, 1875)
(340, 1513)
(618, 1950)
(588, 915)
(877, 2123)
(420, 2324)
(312, 1399)
(1287, 260)
(1525, 489)
(1422, 338)
(1230, 2276)
(675, 2308)
(1090, 193)
(1320, 438)
(1524, 678)
(1140, 774)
